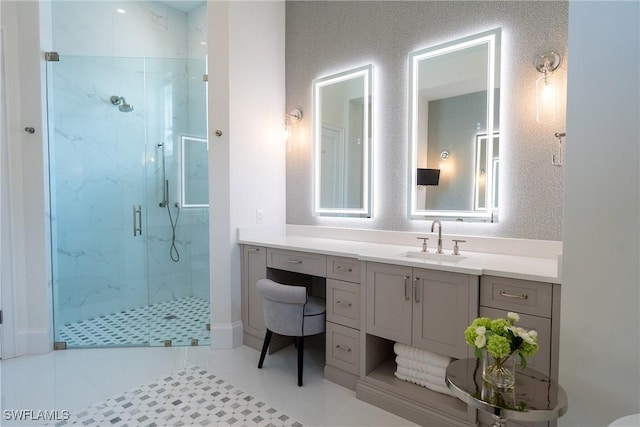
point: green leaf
(523, 361)
(478, 353)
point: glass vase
(501, 372)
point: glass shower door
(98, 157)
(130, 253)
(178, 232)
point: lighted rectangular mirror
(342, 111)
(454, 103)
(194, 172)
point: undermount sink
(432, 256)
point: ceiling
(185, 6)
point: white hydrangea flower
(533, 334)
(481, 340)
(481, 330)
(527, 338)
(514, 317)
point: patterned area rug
(191, 397)
(180, 321)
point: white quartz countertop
(476, 263)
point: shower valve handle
(137, 220)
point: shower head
(122, 104)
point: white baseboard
(226, 335)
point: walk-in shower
(116, 276)
(121, 103)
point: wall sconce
(547, 87)
(292, 118)
(428, 176)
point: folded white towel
(421, 355)
(430, 386)
(422, 376)
(420, 366)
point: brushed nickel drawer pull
(407, 292)
(294, 261)
(341, 268)
(344, 304)
(416, 286)
(254, 249)
(343, 348)
(508, 295)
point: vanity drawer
(343, 303)
(541, 361)
(520, 296)
(299, 262)
(343, 348)
(347, 269)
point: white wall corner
(39, 341)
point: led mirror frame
(183, 192)
(365, 71)
(491, 38)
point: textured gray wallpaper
(326, 37)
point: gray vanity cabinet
(538, 305)
(444, 304)
(389, 302)
(254, 268)
(427, 309)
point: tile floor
(75, 379)
(191, 396)
(179, 320)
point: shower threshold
(181, 321)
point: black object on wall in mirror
(428, 176)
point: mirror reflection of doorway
(332, 167)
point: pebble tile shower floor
(180, 321)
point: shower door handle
(137, 220)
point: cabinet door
(541, 361)
(254, 268)
(389, 302)
(443, 307)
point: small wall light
(428, 177)
(295, 116)
(291, 118)
(547, 87)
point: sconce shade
(546, 98)
(546, 87)
(428, 176)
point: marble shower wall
(105, 161)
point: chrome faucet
(437, 221)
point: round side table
(535, 396)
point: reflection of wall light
(121, 11)
(446, 164)
(547, 87)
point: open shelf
(383, 377)
(382, 388)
